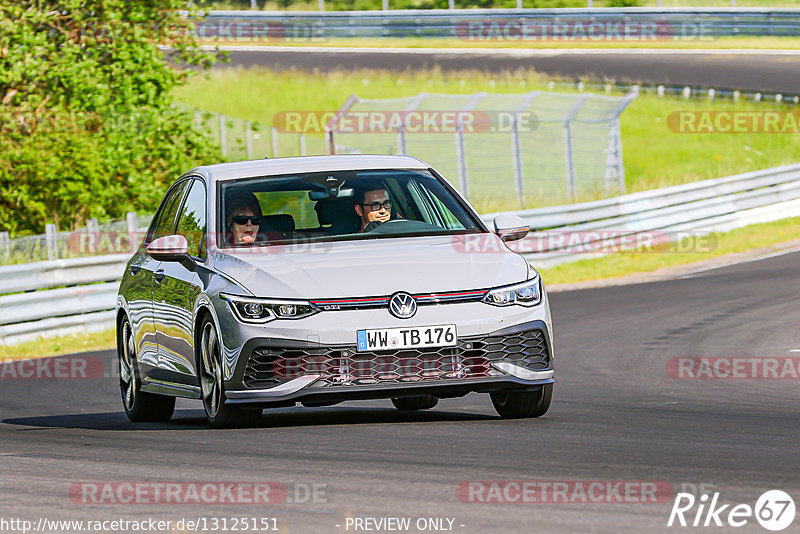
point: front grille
(470, 358)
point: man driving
(373, 204)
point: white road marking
(746, 260)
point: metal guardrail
(57, 297)
(717, 205)
(684, 23)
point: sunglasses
(243, 219)
(376, 206)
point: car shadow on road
(273, 418)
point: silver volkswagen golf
(323, 279)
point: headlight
(256, 310)
(525, 294)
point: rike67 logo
(774, 510)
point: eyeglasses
(376, 206)
(243, 219)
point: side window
(169, 209)
(192, 222)
(438, 213)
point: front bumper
(282, 372)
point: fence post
(615, 166)
(329, 140)
(570, 160)
(385, 5)
(248, 136)
(451, 4)
(302, 144)
(620, 167)
(322, 5)
(415, 102)
(133, 226)
(516, 146)
(570, 164)
(93, 229)
(401, 140)
(274, 142)
(51, 241)
(253, 5)
(614, 157)
(223, 139)
(197, 120)
(461, 158)
(516, 154)
(5, 244)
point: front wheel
(139, 406)
(522, 404)
(423, 402)
(218, 412)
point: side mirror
(510, 227)
(169, 248)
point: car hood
(373, 267)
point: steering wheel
(375, 224)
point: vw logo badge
(402, 305)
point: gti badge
(402, 305)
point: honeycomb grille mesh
(470, 358)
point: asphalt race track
(616, 416)
(743, 70)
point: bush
(87, 125)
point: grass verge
(617, 265)
(654, 155)
(57, 346)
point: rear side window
(165, 223)
(192, 222)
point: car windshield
(339, 205)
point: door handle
(159, 275)
(135, 269)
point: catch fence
(533, 146)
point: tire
(522, 404)
(423, 402)
(139, 406)
(212, 386)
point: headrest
(282, 222)
(338, 213)
(329, 210)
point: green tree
(87, 126)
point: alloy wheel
(211, 380)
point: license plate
(406, 338)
